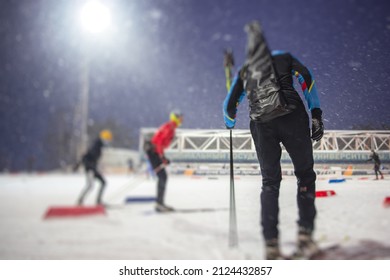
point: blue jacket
(286, 67)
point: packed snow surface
(353, 217)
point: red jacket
(163, 137)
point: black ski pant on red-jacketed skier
(159, 168)
(293, 132)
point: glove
(317, 127)
(229, 122)
(76, 167)
(166, 161)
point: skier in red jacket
(155, 152)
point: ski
(185, 211)
(322, 254)
(113, 206)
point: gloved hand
(76, 167)
(317, 127)
(165, 160)
(229, 122)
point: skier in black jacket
(278, 115)
(377, 164)
(90, 162)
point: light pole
(83, 106)
(95, 19)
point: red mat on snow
(386, 202)
(74, 211)
(325, 193)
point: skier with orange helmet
(90, 162)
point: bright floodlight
(95, 17)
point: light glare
(95, 17)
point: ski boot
(272, 251)
(306, 247)
(163, 208)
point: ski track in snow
(355, 218)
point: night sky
(167, 54)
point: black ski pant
(293, 132)
(91, 174)
(377, 170)
(162, 177)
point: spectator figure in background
(377, 164)
(130, 165)
(90, 162)
(155, 152)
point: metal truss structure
(213, 145)
(354, 140)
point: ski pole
(233, 236)
(228, 63)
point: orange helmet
(106, 135)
